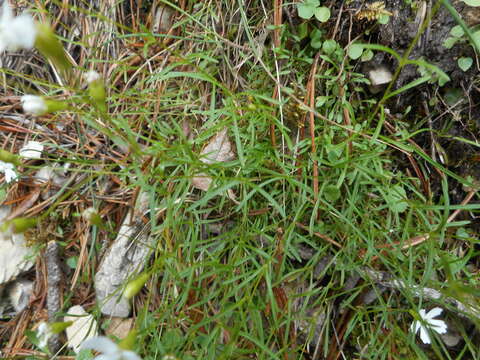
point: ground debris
(83, 327)
(15, 256)
(19, 294)
(119, 327)
(219, 149)
(54, 295)
(125, 257)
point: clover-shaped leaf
(322, 13)
(316, 39)
(355, 51)
(329, 46)
(472, 2)
(449, 42)
(465, 63)
(306, 9)
(457, 31)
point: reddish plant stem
(311, 95)
(277, 21)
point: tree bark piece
(54, 278)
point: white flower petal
(42, 328)
(130, 355)
(424, 335)
(44, 332)
(32, 150)
(433, 313)
(91, 76)
(101, 344)
(415, 326)
(438, 325)
(110, 350)
(34, 104)
(9, 170)
(10, 176)
(7, 14)
(422, 313)
(24, 31)
(106, 357)
(16, 32)
(42, 342)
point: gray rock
(19, 294)
(451, 339)
(380, 76)
(15, 256)
(163, 19)
(125, 257)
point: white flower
(91, 76)
(429, 323)
(44, 333)
(34, 104)
(110, 350)
(16, 32)
(9, 170)
(32, 150)
(88, 213)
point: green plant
(235, 274)
(309, 8)
(465, 63)
(472, 2)
(457, 35)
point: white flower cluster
(32, 150)
(9, 170)
(110, 350)
(16, 32)
(44, 333)
(91, 76)
(102, 344)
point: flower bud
(134, 286)
(20, 225)
(96, 91)
(37, 105)
(92, 216)
(9, 170)
(54, 106)
(49, 46)
(34, 105)
(8, 157)
(58, 327)
(91, 76)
